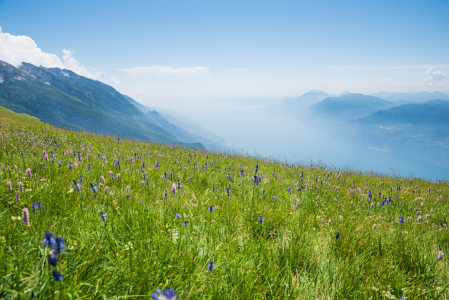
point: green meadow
(193, 221)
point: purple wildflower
(26, 217)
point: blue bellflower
(168, 294)
(56, 276)
(48, 241)
(52, 259)
(58, 245)
(210, 266)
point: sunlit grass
(142, 246)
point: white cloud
(114, 79)
(382, 81)
(434, 75)
(161, 70)
(74, 65)
(15, 49)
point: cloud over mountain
(16, 49)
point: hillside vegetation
(137, 217)
(65, 99)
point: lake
(287, 139)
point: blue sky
(182, 50)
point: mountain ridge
(65, 99)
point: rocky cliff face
(42, 74)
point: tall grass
(142, 246)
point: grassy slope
(88, 110)
(143, 246)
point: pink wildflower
(25, 217)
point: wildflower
(210, 209)
(127, 197)
(337, 235)
(106, 189)
(440, 255)
(374, 227)
(261, 219)
(94, 188)
(18, 196)
(21, 187)
(77, 186)
(52, 259)
(118, 176)
(127, 189)
(33, 207)
(173, 189)
(56, 276)
(275, 198)
(427, 217)
(178, 216)
(58, 245)
(103, 216)
(25, 217)
(28, 172)
(330, 222)
(401, 220)
(185, 224)
(168, 294)
(210, 266)
(48, 241)
(39, 205)
(9, 186)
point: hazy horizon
(178, 51)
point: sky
(168, 51)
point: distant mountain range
(411, 97)
(65, 99)
(347, 107)
(418, 129)
(416, 124)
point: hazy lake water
(287, 139)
